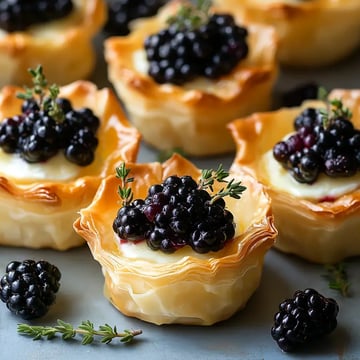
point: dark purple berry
(306, 317)
(29, 288)
(18, 15)
(175, 214)
(212, 50)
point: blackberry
(178, 54)
(306, 317)
(176, 213)
(47, 125)
(321, 143)
(18, 15)
(29, 288)
(122, 12)
(300, 93)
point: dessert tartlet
(316, 211)
(306, 30)
(190, 112)
(182, 286)
(40, 197)
(63, 45)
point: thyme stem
(85, 329)
(337, 278)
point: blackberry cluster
(306, 317)
(211, 50)
(174, 214)
(18, 15)
(122, 12)
(317, 146)
(300, 93)
(36, 136)
(28, 288)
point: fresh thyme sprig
(86, 330)
(124, 191)
(337, 278)
(191, 15)
(334, 108)
(46, 95)
(232, 189)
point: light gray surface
(245, 336)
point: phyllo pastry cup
(40, 201)
(64, 46)
(318, 225)
(183, 287)
(307, 32)
(192, 116)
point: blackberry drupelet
(18, 15)
(36, 136)
(321, 143)
(178, 54)
(29, 288)
(48, 124)
(122, 12)
(306, 317)
(176, 213)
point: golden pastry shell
(192, 117)
(64, 47)
(308, 34)
(176, 291)
(318, 231)
(40, 214)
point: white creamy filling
(325, 186)
(57, 168)
(141, 251)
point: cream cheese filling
(56, 168)
(280, 179)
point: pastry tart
(63, 46)
(40, 201)
(191, 116)
(183, 287)
(317, 221)
(306, 28)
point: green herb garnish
(191, 16)
(207, 180)
(334, 108)
(124, 191)
(44, 95)
(337, 278)
(232, 189)
(86, 330)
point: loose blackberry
(29, 287)
(322, 143)
(295, 96)
(306, 317)
(18, 15)
(122, 12)
(181, 52)
(178, 212)
(47, 125)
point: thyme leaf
(232, 189)
(124, 191)
(192, 15)
(338, 279)
(86, 329)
